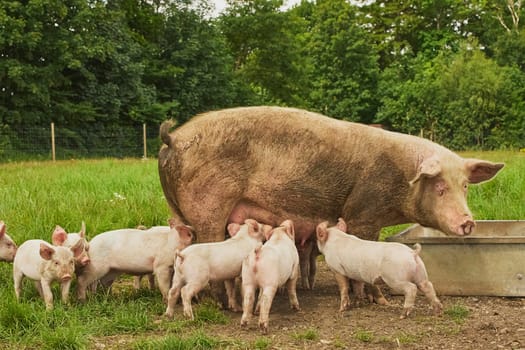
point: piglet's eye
(441, 192)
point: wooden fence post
(144, 140)
(53, 141)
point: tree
(264, 43)
(345, 69)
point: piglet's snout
(66, 277)
(85, 261)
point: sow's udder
(304, 226)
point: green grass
(457, 312)
(309, 334)
(364, 336)
(109, 194)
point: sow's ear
(430, 167)
(481, 170)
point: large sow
(272, 164)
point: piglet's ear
(253, 227)
(2, 229)
(430, 167)
(185, 233)
(59, 236)
(78, 248)
(46, 252)
(341, 225)
(82, 232)
(322, 231)
(266, 229)
(172, 223)
(481, 170)
(233, 228)
(288, 226)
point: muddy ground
(468, 322)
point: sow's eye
(441, 188)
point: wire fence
(55, 142)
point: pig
(44, 263)
(150, 277)
(268, 267)
(135, 252)
(274, 163)
(61, 238)
(199, 264)
(395, 264)
(7, 245)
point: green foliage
(266, 47)
(449, 101)
(449, 70)
(345, 73)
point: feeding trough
(491, 261)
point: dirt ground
(468, 322)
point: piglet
(151, 278)
(202, 263)
(61, 238)
(135, 252)
(44, 264)
(7, 245)
(373, 262)
(269, 267)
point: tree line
(449, 70)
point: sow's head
(439, 191)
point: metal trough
(491, 261)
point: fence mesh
(99, 141)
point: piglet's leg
(173, 295)
(428, 289)
(291, 286)
(64, 288)
(163, 274)
(48, 295)
(249, 291)
(409, 289)
(230, 291)
(342, 282)
(18, 276)
(266, 297)
(38, 287)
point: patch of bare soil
(468, 322)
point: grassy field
(109, 194)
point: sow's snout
(466, 228)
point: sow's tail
(165, 128)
